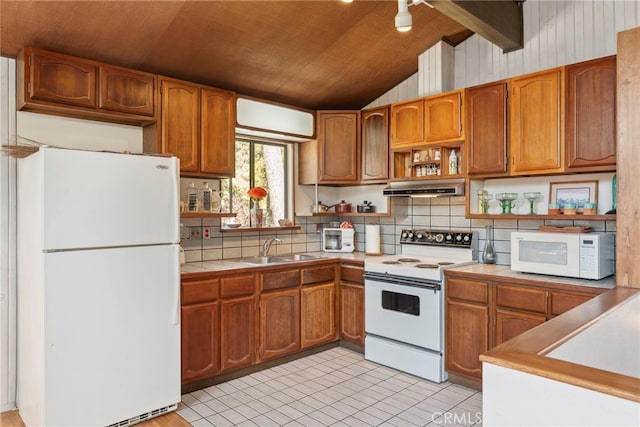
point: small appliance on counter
(338, 240)
(579, 255)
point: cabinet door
(200, 335)
(591, 115)
(338, 146)
(127, 91)
(375, 145)
(537, 128)
(279, 323)
(179, 123)
(237, 325)
(352, 313)
(487, 129)
(510, 324)
(407, 124)
(317, 308)
(62, 79)
(217, 135)
(442, 117)
(467, 337)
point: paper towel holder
(372, 240)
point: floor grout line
(353, 391)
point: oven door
(405, 312)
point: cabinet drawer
(468, 290)
(318, 274)
(561, 302)
(237, 286)
(352, 274)
(199, 291)
(280, 279)
(522, 298)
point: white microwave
(585, 256)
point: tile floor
(334, 388)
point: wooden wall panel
(628, 209)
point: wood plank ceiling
(310, 54)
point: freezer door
(97, 199)
(112, 334)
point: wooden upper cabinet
(180, 120)
(537, 123)
(486, 129)
(375, 145)
(198, 126)
(61, 78)
(59, 84)
(127, 91)
(218, 148)
(591, 115)
(442, 117)
(407, 124)
(338, 146)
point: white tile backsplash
(436, 213)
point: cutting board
(565, 229)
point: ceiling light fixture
(346, 1)
(403, 18)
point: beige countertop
(237, 263)
(502, 272)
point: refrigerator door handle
(175, 272)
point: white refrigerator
(98, 288)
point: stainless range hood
(426, 190)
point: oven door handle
(401, 280)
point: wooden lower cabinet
(200, 331)
(237, 330)
(352, 304)
(480, 315)
(279, 324)
(510, 324)
(467, 336)
(317, 314)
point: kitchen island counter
(577, 357)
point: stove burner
(390, 262)
(446, 263)
(408, 260)
(427, 266)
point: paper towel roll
(372, 239)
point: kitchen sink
(262, 260)
(282, 258)
(297, 257)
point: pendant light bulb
(403, 18)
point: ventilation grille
(143, 417)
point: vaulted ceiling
(311, 54)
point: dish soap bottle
(216, 203)
(453, 163)
(206, 197)
(192, 198)
(489, 254)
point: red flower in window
(257, 193)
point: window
(262, 164)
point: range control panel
(437, 237)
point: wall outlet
(194, 232)
(206, 232)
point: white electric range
(404, 300)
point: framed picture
(580, 192)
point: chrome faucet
(267, 245)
